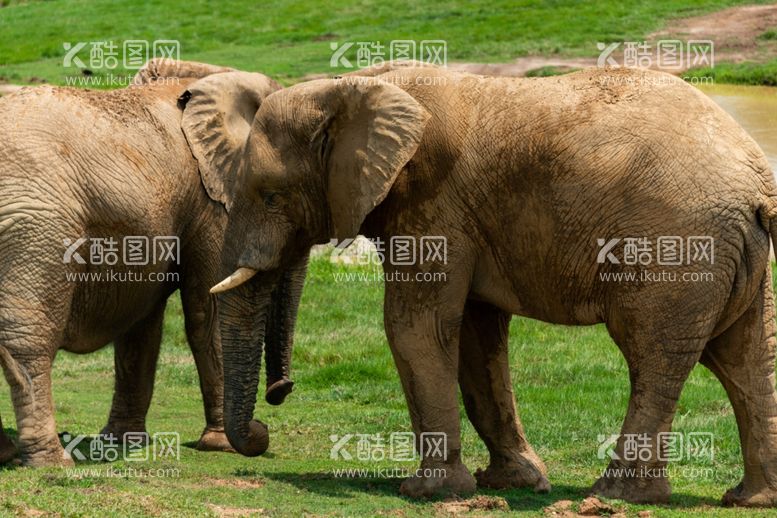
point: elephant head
(318, 158)
(217, 114)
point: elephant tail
(767, 215)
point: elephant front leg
(30, 379)
(424, 341)
(135, 359)
(204, 340)
(484, 376)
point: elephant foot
(637, 490)
(740, 496)
(527, 470)
(278, 391)
(439, 480)
(214, 440)
(53, 456)
(7, 449)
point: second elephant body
(80, 172)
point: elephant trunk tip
(253, 443)
(276, 393)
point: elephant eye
(271, 200)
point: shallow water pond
(755, 108)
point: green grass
(549, 71)
(771, 34)
(289, 39)
(571, 385)
(740, 73)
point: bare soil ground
(734, 31)
(735, 34)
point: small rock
(478, 503)
(592, 506)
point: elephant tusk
(240, 276)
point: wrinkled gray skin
(77, 163)
(256, 316)
(523, 176)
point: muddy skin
(522, 177)
(108, 164)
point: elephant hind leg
(7, 447)
(660, 355)
(743, 359)
(135, 357)
(484, 378)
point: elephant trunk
(280, 331)
(243, 312)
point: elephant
(530, 181)
(80, 166)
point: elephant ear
(217, 114)
(159, 68)
(375, 130)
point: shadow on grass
(327, 484)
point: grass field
(571, 386)
(571, 383)
(289, 39)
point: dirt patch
(590, 506)
(478, 503)
(32, 512)
(735, 32)
(9, 89)
(236, 483)
(232, 512)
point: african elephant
(526, 178)
(79, 165)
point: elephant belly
(104, 311)
(519, 290)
